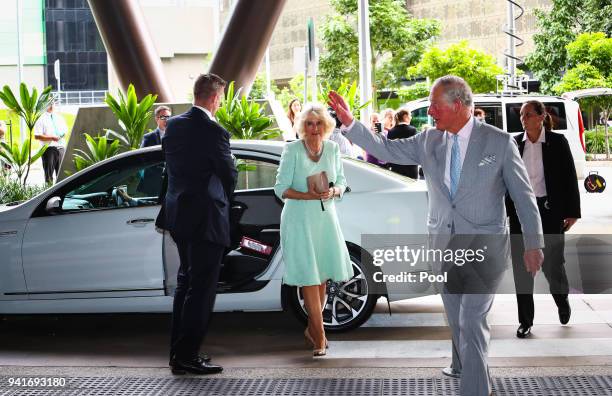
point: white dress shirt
(464, 138)
(52, 124)
(532, 157)
(346, 148)
(207, 112)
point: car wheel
(348, 305)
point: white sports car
(89, 243)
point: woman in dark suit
(402, 130)
(552, 175)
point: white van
(503, 112)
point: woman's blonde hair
(321, 113)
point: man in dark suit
(403, 130)
(162, 114)
(552, 175)
(201, 179)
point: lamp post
(365, 58)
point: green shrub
(595, 141)
(132, 116)
(11, 190)
(244, 118)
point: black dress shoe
(564, 314)
(195, 366)
(204, 357)
(523, 331)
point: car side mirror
(54, 205)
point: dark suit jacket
(559, 175)
(151, 139)
(201, 179)
(402, 131)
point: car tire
(340, 319)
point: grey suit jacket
(492, 166)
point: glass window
(72, 37)
(134, 186)
(555, 109)
(493, 113)
(253, 174)
(419, 118)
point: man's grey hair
(455, 88)
(159, 109)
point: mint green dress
(313, 247)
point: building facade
(33, 56)
(481, 23)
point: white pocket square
(489, 159)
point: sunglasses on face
(164, 118)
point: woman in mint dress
(313, 246)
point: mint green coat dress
(313, 247)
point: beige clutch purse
(318, 182)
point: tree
(397, 40)
(412, 92)
(476, 67)
(557, 28)
(294, 90)
(31, 108)
(259, 89)
(589, 57)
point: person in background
(162, 113)
(2, 129)
(376, 127)
(552, 175)
(313, 246)
(388, 116)
(346, 147)
(480, 115)
(51, 129)
(4, 166)
(403, 130)
(293, 110)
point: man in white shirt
(51, 129)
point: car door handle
(140, 222)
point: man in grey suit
(469, 166)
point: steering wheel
(117, 198)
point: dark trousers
(195, 295)
(553, 266)
(51, 159)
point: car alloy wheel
(347, 305)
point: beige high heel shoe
(320, 351)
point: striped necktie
(455, 166)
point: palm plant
(98, 148)
(20, 157)
(31, 108)
(243, 118)
(132, 116)
(348, 92)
